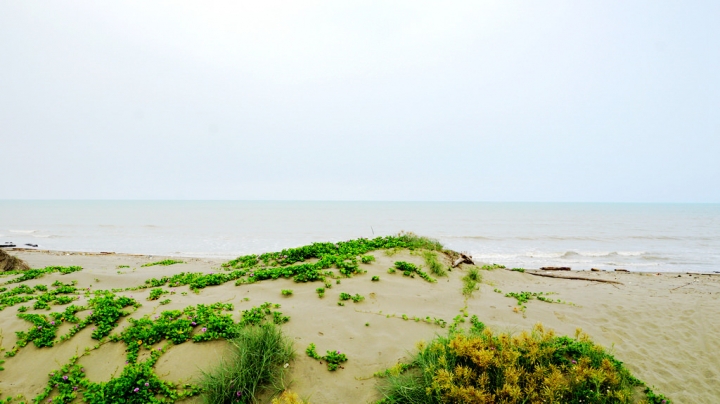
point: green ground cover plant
(366, 259)
(518, 269)
(259, 353)
(137, 383)
(479, 366)
(156, 293)
(375, 278)
(106, 309)
(524, 297)
(333, 359)
(163, 263)
(410, 270)
(492, 267)
(290, 263)
(39, 273)
(287, 292)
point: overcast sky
(347, 100)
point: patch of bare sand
(666, 329)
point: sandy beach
(664, 327)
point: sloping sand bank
(666, 328)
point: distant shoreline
(224, 258)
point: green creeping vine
(410, 270)
(366, 259)
(342, 255)
(347, 249)
(39, 273)
(289, 263)
(257, 315)
(163, 262)
(42, 333)
(357, 298)
(106, 310)
(524, 297)
(195, 280)
(156, 293)
(138, 382)
(333, 358)
(199, 323)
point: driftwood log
(577, 278)
(463, 259)
(555, 268)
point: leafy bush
(375, 278)
(287, 292)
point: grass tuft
(470, 281)
(414, 242)
(255, 363)
(431, 260)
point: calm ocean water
(645, 237)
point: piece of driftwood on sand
(463, 259)
(577, 278)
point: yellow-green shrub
(532, 367)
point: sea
(637, 237)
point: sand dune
(666, 328)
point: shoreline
(222, 259)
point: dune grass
(431, 260)
(532, 367)
(470, 281)
(254, 365)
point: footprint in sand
(560, 316)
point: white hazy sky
(373, 100)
